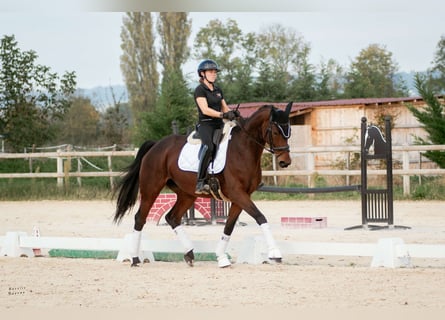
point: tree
(330, 80)
(220, 42)
(32, 98)
(437, 73)
(175, 99)
(174, 102)
(304, 86)
(242, 89)
(433, 119)
(80, 124)
(372, 75)
(139, 61)
(174, 29)
(283, 48)
(280, 51)
(114, 122)
(269, 86)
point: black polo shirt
(213, 98)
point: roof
(246, 109)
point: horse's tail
(128, 187)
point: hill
(102, 97)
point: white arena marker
(391, 253)
(11, 246)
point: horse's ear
(288, 107)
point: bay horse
(156, 166)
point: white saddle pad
(188, 158)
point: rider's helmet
(207, 64)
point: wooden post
(110, 169)
(310, 167)
(67, 168)
(406, 182)
(59, 169)
(79, 170)
(30, 159)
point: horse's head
(278, 132)
(374, 136)
(369, 140)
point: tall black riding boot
(204, 159)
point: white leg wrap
(135, 243)
(183, 238)
(221, 256)
(274, 252)
(222, 245)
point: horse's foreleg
(189, 256)
(221, 255)
(274, 253)
(223, 243)
(174, 217)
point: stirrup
(202, 188)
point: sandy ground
(299, 282)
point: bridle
(285, 131)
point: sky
(88, 42)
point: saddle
(188, 157)
(218, 137)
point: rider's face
(211, 75)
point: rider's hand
(229, 115)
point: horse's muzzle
(284, 160)
(284, 164)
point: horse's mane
(243, 121)
(264, 107)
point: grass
(47, 189)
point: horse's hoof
(223, 261)
(275, 260)
(189, 257)
(274, 255)
(135, 262)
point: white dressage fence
(388, 252)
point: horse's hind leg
(174, 217)
(140, 219)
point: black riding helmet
(207, 64)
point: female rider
(212, 108)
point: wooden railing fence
(63, 173)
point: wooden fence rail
(311, 153)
